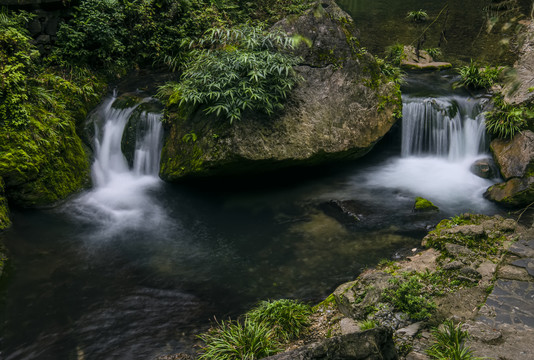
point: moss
(422, 205)
(5, 221)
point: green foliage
(417, 16)
(408, 296)
(395, 54)
(450, 343)
(367, 324)
(434, 52)
(477, 77)
(41, 156)
(286, 318)
(17, 57)
(234, 70)
(236, 341)
(506, 120)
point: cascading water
(442, 135)
(451, 128)
(120, 198)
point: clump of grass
(434, 52)
(368, 324)
(235, 341)
(450, 343)
(506, 120)
(476, 77)
(417, 16)
(287, 318)
(409, 297)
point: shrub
(475, 77)
(236, 341)
(234, 70)
(506, 120)
(434, 52)
(449, 343)
(395, 54)
(286, 318)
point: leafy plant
(434, 52)
(287, 318)
(409, 297)
(449, 343)
(234, 70)
(235, 341)
(395, 54)
(367, 324)
(417, 16)
(506, 120)
(476, 77)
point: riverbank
(476, 270)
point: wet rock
(513, 193)
(373, 344)
(527, 264)
(332, 115)
(453, 265)
(485, 168)
(523, 248)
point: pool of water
(139, 271)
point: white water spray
(441, 138)
(120, 198)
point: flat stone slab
(527, 263)
(523, 248)
(435, 65)
(511, 302)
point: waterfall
(120, 198)
(450, 128)
(441, 137)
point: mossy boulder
(515, 159)
(424, 205)
(341, 109)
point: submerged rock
(339, 111)
(484, 168)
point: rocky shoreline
(481, 272)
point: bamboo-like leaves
(236, 69)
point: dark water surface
(142, 277)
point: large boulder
(340, 110)
(515, 159)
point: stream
(135, 267)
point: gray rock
(348, 326)
(458, 250)
(410, 330)
(373, 344)
(514, 157)
(338, 112)
(485, 168)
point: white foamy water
(441, 138)
(122, 195)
